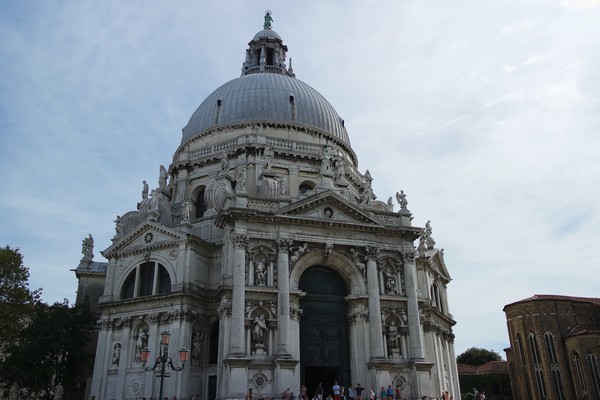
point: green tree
(477, 356)
(50, 351)
(16, 299)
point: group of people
(338, 392)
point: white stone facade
(265, 252)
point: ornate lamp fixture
(163, 360)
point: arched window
(305, 187)
(594, 371)
(146, 279)
(554, 367)
(200, 204)
(537, 366)
(579, 371)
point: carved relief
(224, 309)
(217, 193)
(359, 260)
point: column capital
(240, 241)
(371, 252)
(283, 245)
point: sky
(486, 114)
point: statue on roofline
(268, 20)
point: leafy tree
(16, 299)
(477, 356)
(50, 351)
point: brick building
(555, 346)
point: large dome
(266, 97)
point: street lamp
(163, 360)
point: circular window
(328, 212)
(149, 237)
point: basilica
(264, 252)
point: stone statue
(268, 20)
(185, 211)
(326, 162)
(140, 343)
(154, 201)
(87, 248)
(116, 356)
(162, 180)
(259, 328)
(429, 242)
(240, 185)
(224, 162)
(393, 336)
(281, 185)
(296, 253)
(197, 338)
(359, 260)
(260, 273)
(366, 195)
(390, 282)
(145, 190)
(118, 226)
(390, 204)
(401, 198)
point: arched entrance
(324, 349)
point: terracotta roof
(538, 297)
(491, 367)
(583, 330)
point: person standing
(319, 391)
(350, 393)
(359, 390)
(336, 391)
(383, 393)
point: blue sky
(484, 113)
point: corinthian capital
(240, 241)
(371, 252)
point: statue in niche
(260, 273)
(258, 330)
(87, 248)
(197, 339)
(140, 343)
(390, 282)
(359, 260)
(296, 252)
(185, 211)
(116, 356)
(393, 336)
(401, 198)
(163, 176)
(145, 190)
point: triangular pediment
(437, 263)
(147, 235)
(328, 207)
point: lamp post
(163, 360)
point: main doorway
(324, 349)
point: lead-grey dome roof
(266, 97)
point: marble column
(414, 320)
(283, 299)
(375, 327)
(240, 242)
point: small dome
(266, 33)
(266, 97)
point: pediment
(438, 264)
(328, 207)
(148, 235)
